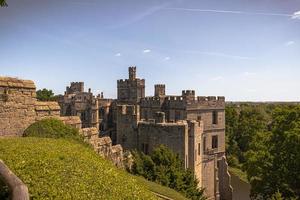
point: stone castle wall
(19, 107)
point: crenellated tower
(131, 90)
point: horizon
(245, 51)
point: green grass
(239, 173)
(157, 188)
(66, 169)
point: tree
(165, 167)
(45, 95)
(3, 3)
(273, 163)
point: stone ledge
(46, 106)
(16, 83)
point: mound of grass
(66, 169)
(162, 190)
(52, 128)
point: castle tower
(132, 73)
(131, 90)
(188, 94)
(159, 90)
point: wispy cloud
(217, 78)
(118, 54)
(238, 12)
(167, 58)
(247, 74)
(296, 15)
(140, 16)
(146, 50)
(289, 43)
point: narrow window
(215, 117)
(146, 149)
(214, 142)
(199, 149)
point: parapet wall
(103, 146)
(19, 107)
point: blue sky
(241, 49)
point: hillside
(65, 169)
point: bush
(65, 169)
(52, 128)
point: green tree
(165, 167)
(273, 163)
(45, 95)
(3, 3)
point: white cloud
(247, 74)
(118, 54)
(146, 51)
(217, 78)
(289, 43)
(167, 58)
(296, 15)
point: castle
(192, 126)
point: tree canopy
(165, 167)
(264, 141)
(3, 3)
(45, 95)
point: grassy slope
(64, 169)
(157, 188)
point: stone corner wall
(226, 189)
(19, 107)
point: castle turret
(131, 90)
(188, 94)
(132, 73)
(159, 90)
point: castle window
(214, 142)
(199, 150)
(177, 115)
(215, 117)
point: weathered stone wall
(173, 135)
(19, 107)
(103, 146)
(224, 179)
(128, 117)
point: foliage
(159, 189)
(65, 169)
(264, 141)
(52, 128)
(166, 168)
(45, 95)
(3, 3)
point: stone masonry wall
(19, 107)
(103, 146)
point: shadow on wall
(241, 189)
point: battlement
(132, 72)
(159, 90)
(75, 87)
(127, 82)
(128, 109)
(188, 93)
